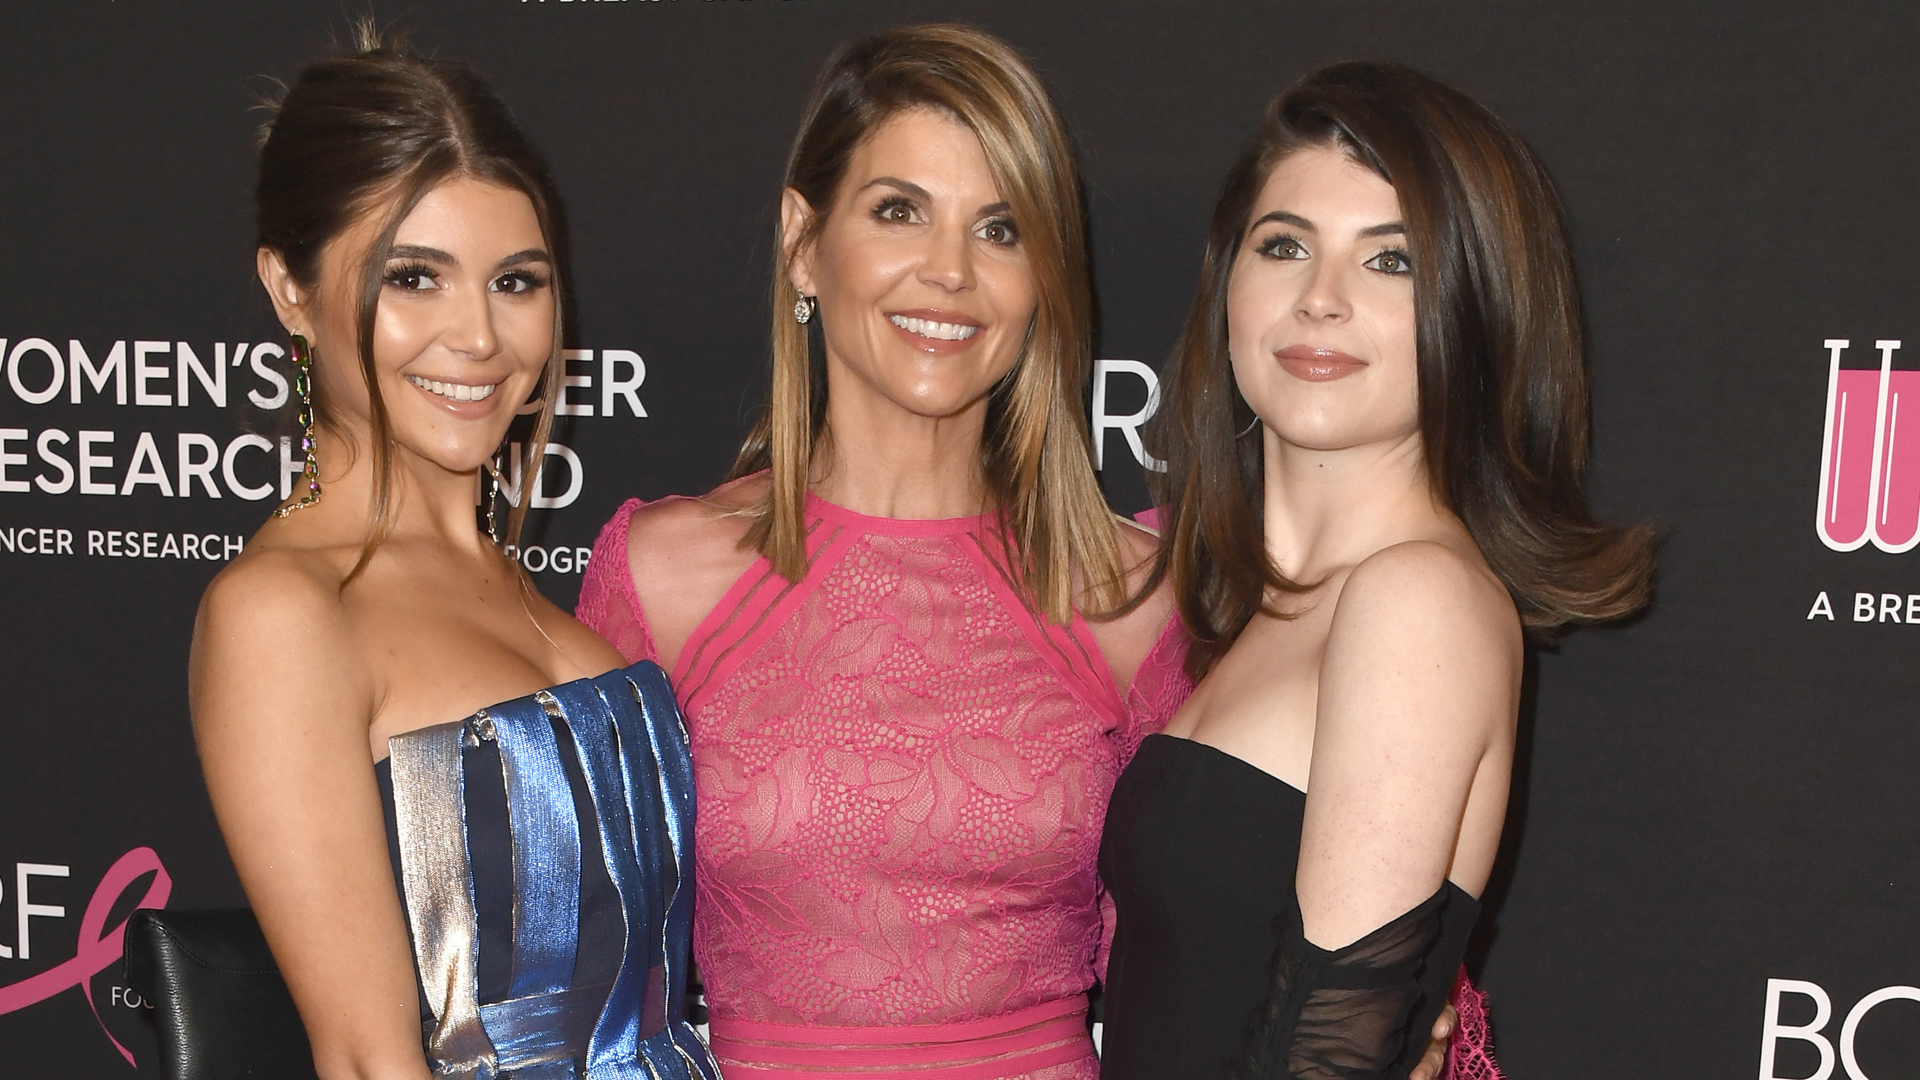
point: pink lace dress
(900, 775)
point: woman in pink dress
(904, 730)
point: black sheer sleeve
(1355, 1013)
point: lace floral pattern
(901, 776)
(1470, 1054)
(898, 806)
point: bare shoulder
(679, 528)
(268, 599)
(1426, 584)
(685, 553)
(273, 637)
(1425, 628)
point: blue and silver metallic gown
(542, 846)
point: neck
(880, 460)
(1327, 510)
(424, 500)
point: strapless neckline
(1246, 772)
(1199, 853)
(541, 846)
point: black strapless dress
(1210, 973)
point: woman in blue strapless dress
(505, 895)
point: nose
(948, 264)
(1324, 298)
(471, 331)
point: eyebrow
(526, 256)
(429, 254)
(1391, 228)
(908, 187)
(417, 251)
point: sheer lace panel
(899, 802)
(1160, 686)
(1470, 1053)
(1344, 1014)
(900, 777)
(608, 604)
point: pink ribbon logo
(99, 948)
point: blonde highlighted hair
(1061, 543)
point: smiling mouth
(454, 391)
(938, 331)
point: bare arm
(1412, 745)
(281, 706)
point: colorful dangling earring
(303, 386)
(493, 493)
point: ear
(795, 216)
(288, 303)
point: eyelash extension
(1406, 260)
(396, 274)
(533, 278)
(1270, 246)
(1005, 222)
(890, 202)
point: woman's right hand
(1435, 1059)
(281, 704)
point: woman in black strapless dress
(1376, 424)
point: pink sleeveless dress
(900, 775)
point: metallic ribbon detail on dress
(544, 1029)
(546, 853)
(670, 741)
(597, 729)
(632, 750)
(430, 810)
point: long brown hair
(1502, 364)
(1035, 449)
(380, 129)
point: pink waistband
(1051, 1033)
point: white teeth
(939, 331)
(454, 391)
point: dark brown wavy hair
(1502, 364)
(375, 132)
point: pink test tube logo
(1870, 457)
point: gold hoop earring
(303, 386)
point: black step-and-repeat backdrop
(1714, 858)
